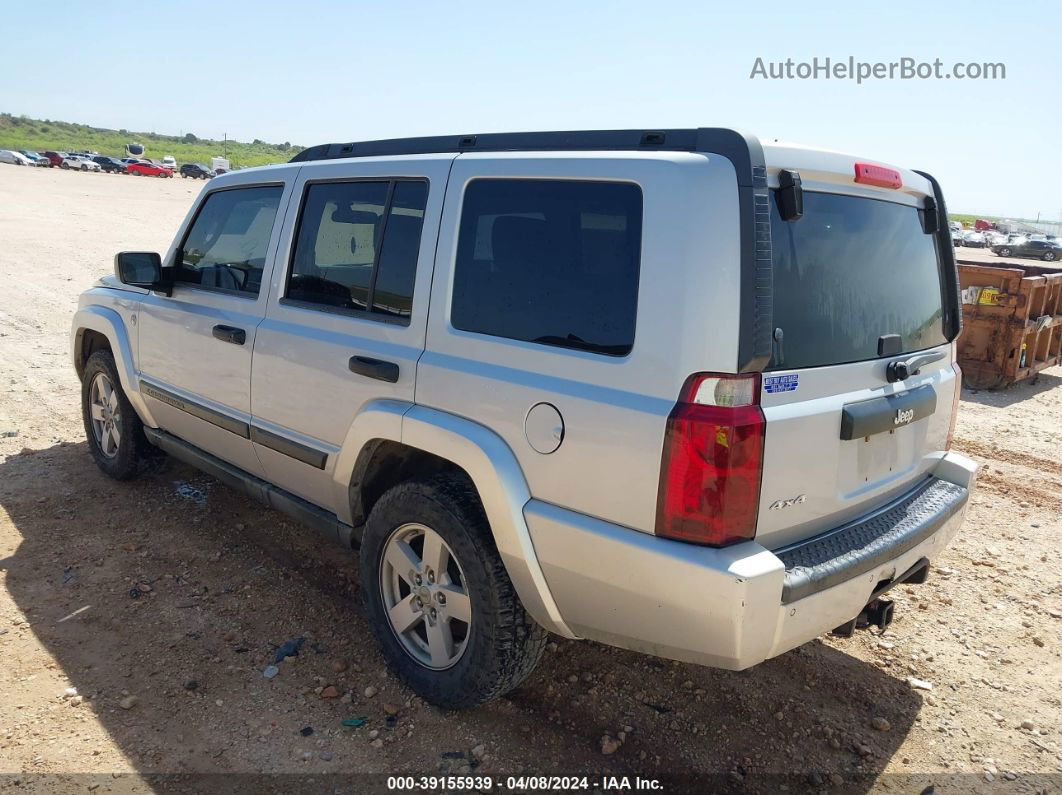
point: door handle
(237, 336)
(374, 368)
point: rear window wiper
(577, 342)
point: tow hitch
(878, 612)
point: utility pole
(225, 145)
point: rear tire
(490, 644)
(1049, 256)
(1004, 252)
(115, 433)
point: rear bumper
(737, 606)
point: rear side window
(848, 272)
(357, 246)
(227, 245)
(550, 261)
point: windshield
(846, 273)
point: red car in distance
(145, 168)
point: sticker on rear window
(780, 383)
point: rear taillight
(712, 462)
(954, 404)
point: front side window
(357, 246)
(550, 261)
(227, 245)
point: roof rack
(739, 148)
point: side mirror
(141, 269)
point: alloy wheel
(106, 415)
(425, 595)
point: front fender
(110, 324)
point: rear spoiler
(949, 270)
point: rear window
(846, 273)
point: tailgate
(813, 478)
(858, 285)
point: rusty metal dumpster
(1012, 322)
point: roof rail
(743, 151)
(729, 143)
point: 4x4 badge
(777, 505)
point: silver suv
(672, 390)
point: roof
(741, 149)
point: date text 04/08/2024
(523, 783)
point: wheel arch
(391, 441)
(100, 328)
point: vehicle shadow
(176, 591)
(1008, 396)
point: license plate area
(887, 413)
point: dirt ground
(171, 682)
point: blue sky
(317, 71)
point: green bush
(35, 135)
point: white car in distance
(79, 163)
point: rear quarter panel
(614, 408)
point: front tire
(115, 433)
(1004, 252)
(1049, 256)
(438, 598)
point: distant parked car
(196, 171)
(1035, 249)
(34, 157)
(144, 168)
(973, 239)
(956, 236)
(14, 158)
(80, 163)
(110, 164)
(169, 162)
(54, 158)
